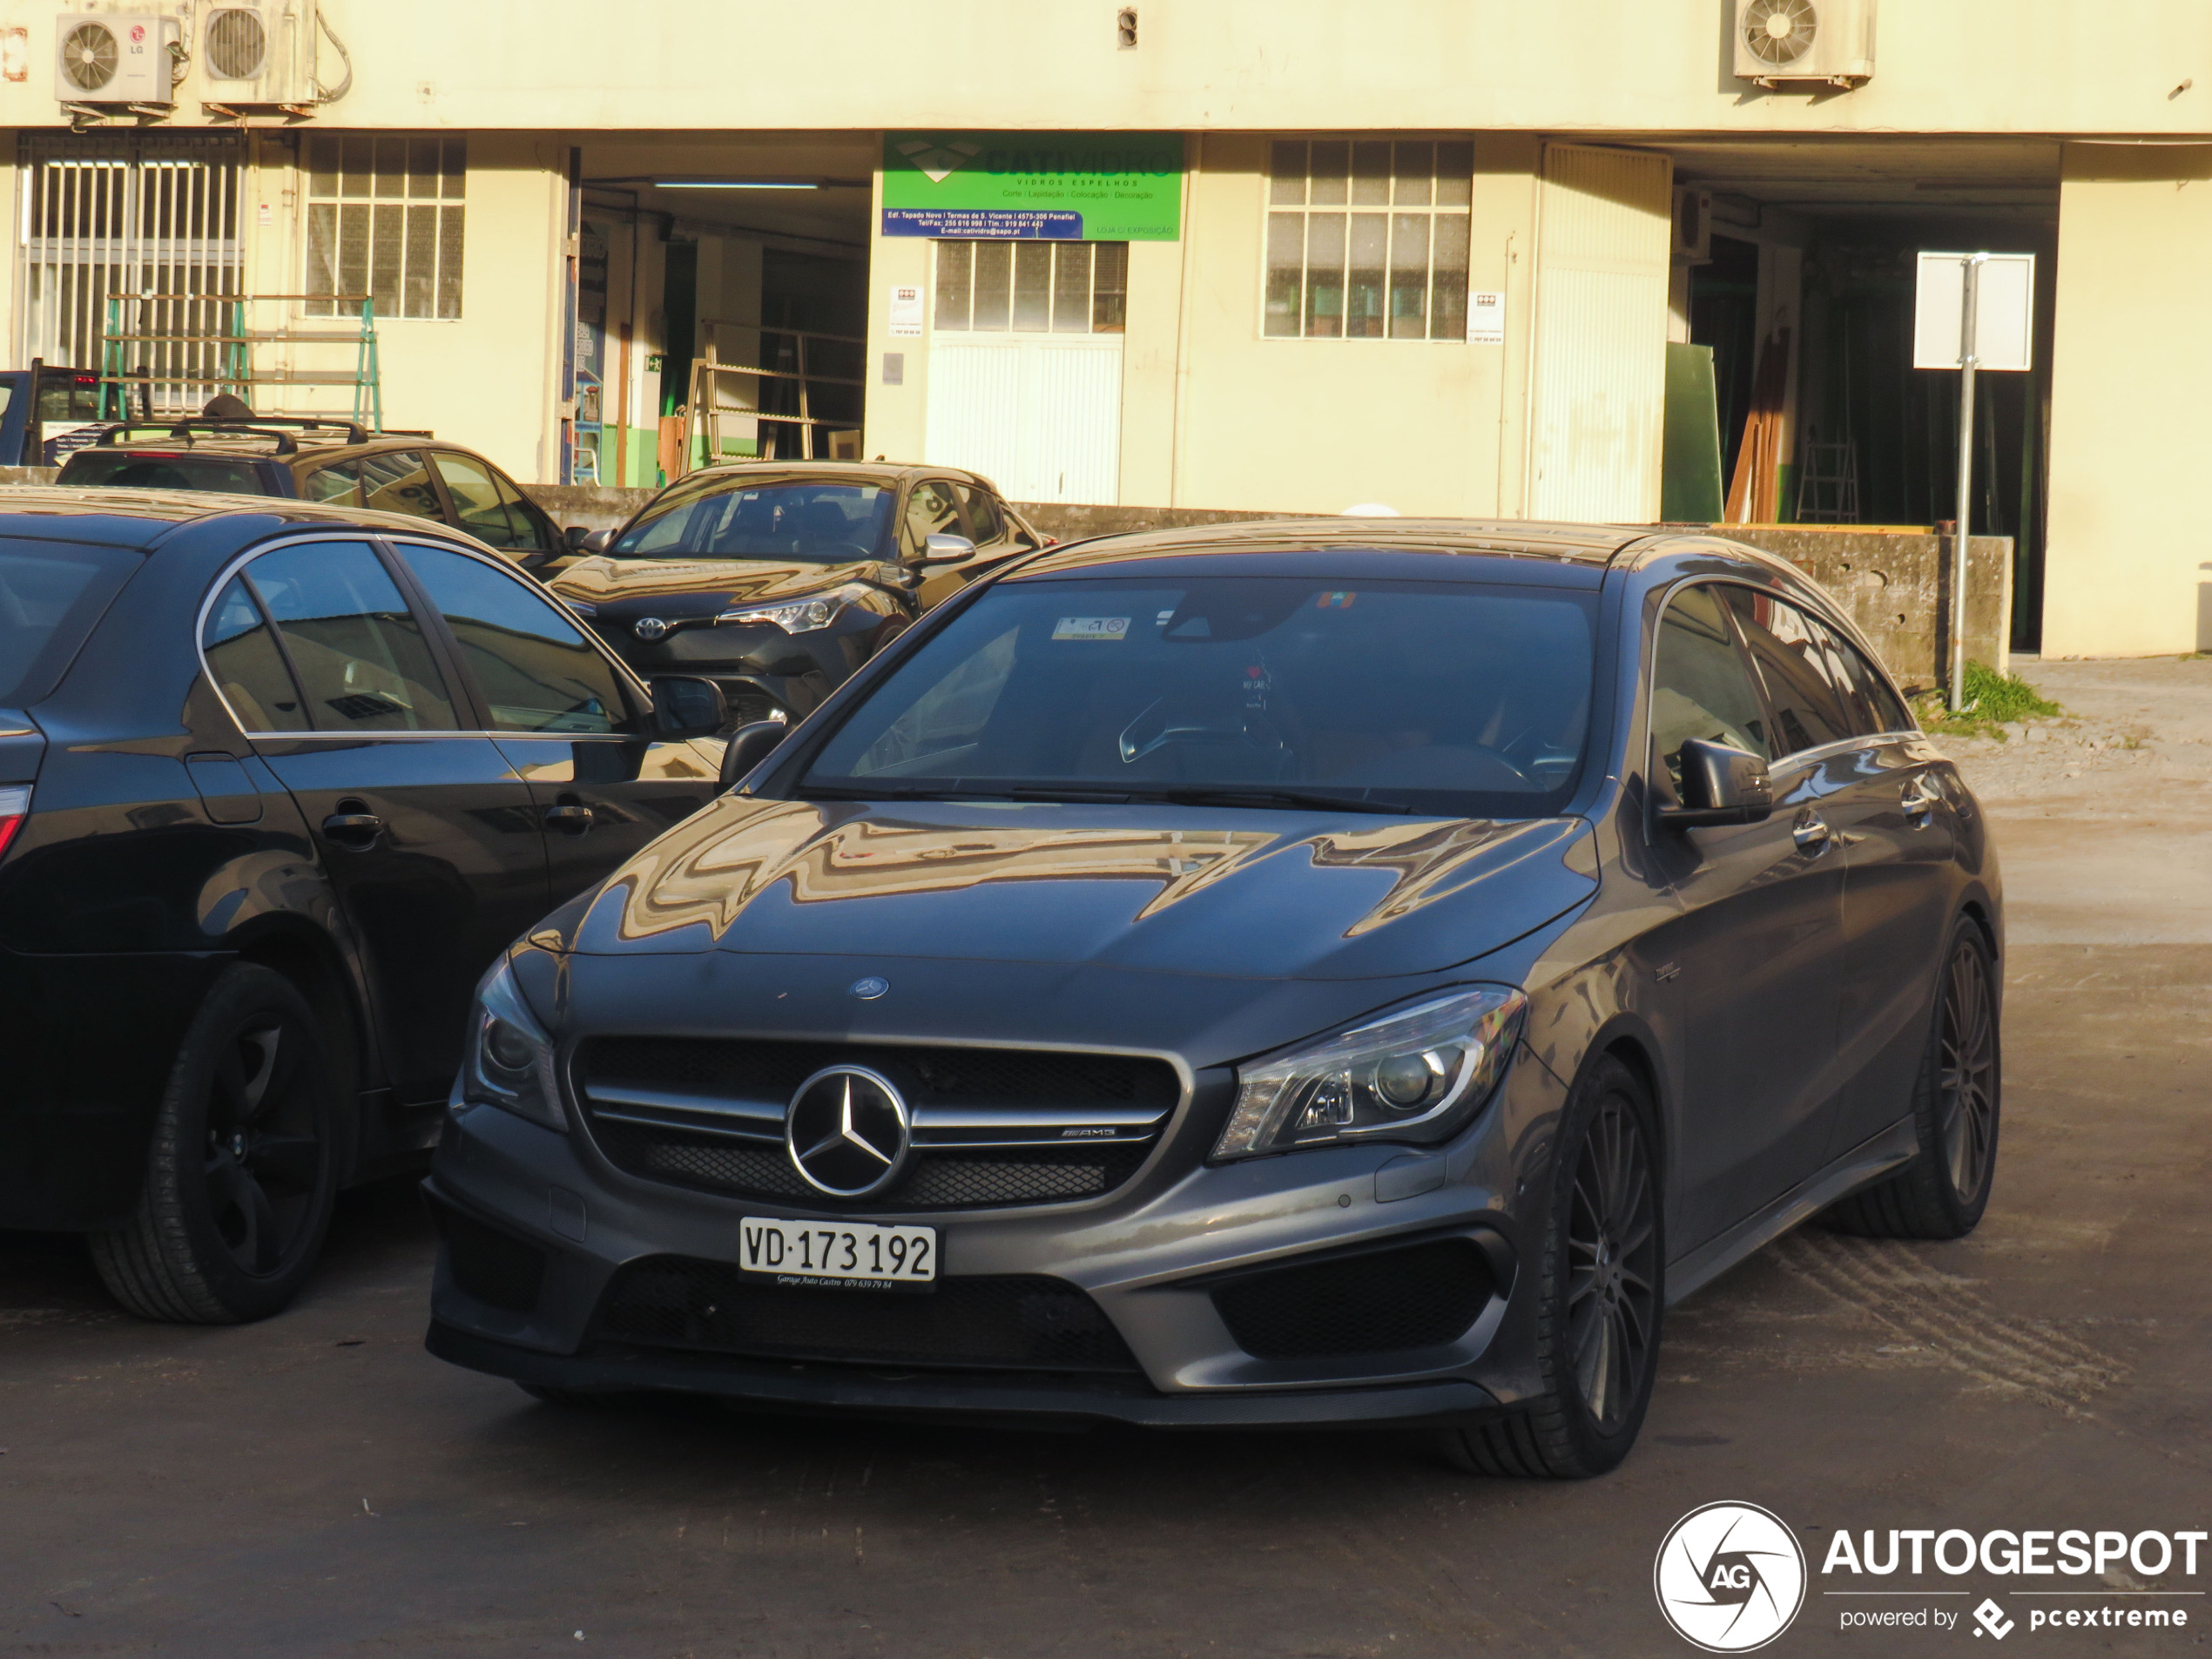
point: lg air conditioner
(114, 58)
(258, 51)
(1779, 41)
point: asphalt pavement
(318, 1485)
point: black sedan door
(429, 833)
(1750, 964)
(563, 715)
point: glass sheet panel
(422, 168)
(1409, 276)
(1324, 276)
(1071, 287)
(1371, 173)
(994, 284)
(386, 227)
(1286, 239)
(419, 291)
(353, 252)
(955, 284)
(1416, 162)
(1454, 172)
(1332, 162)
(450, 238)
(1364, 292)
(1032, 287)
(322, 163)
(1286, 172)
(1109, 289)
(1447, 304)
(357, 158)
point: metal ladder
(218, 355)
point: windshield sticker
(1106, 627)
(1335, 602)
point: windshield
(120, 470)
(728, 519)
(1413, 696)
(50, 595)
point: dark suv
(277, 782)
(331, 460)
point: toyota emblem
(848, 1131)
(650, 628)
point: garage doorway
(1025, 366)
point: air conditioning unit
(1805, 40)
(1693, 224)
(114, 58)
(258, 51)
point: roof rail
(259, 426)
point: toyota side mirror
(576, 539)
(749, 747)
(689, 706)
(945, 550)
(1719, 785)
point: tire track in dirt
(1945, 1315)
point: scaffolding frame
(202, 361)
(706, 413)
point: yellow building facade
(1476, 258)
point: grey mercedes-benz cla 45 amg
(1294, 973)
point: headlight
(509, 1062)
(1414, 1076)
(799, 616)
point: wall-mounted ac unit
(1805, 40)
(114, 58)
(258, 51)
(1693, 224)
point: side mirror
(689, 706)
(749, 747)
(945, 550)
(576, 539)
(1719, 785)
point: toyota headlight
(1414, 1076)
(798, 616)
(509, 1061)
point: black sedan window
(1430, 696)
(50, 595)
(824, 523)
(358, 650)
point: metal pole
(1967, 362)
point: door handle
(355, 831)
(1918, 800)
(570, 817)
(1811, 833)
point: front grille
(1016, 1322)
(1386, 1301)
(496, 1269)
(993, 1127)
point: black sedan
(1289, 973)
(277, 782)
(778, 579)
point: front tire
(241, 1175)
(1944, 1191)
(1601, 1294)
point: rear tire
(241, 1175)
(1601, 1294)
(1944, 1191)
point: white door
(1602, 261)
(1025, 368)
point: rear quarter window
(126, 471)
(51, 596)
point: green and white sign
(1065, 186)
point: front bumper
(1151, 1257)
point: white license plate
(853, 1255)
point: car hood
(697, 587)
(1175, 889)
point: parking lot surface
(318, 1485)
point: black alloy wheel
(1600, 1298)
(241, 1175)
(1956, 1100)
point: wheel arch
(311, 961)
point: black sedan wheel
(1600, 1298)
(241, 1175)
(1943, 1192)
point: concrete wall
(2128, 566)
(1614, 65)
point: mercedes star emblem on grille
(650, 628)
(848, 1131)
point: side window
(984, 523)
(530, 524)
(1882, 710)
(358, 650)
(398, 481)
(1700, 686)
(339, 481)
(930, 510)
(1810, 709)
(245, 666)
(477, 505)
(536, 669)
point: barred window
(1367, 239)
(384, 219)
(1033, 286)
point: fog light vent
(1386, 1301)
